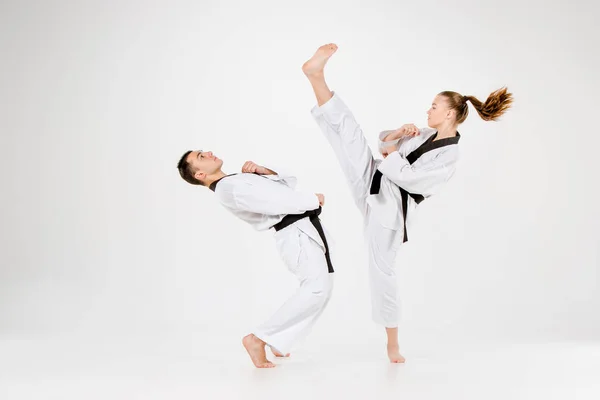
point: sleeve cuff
(383, 144)
(393, 162)
(312, 201)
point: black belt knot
(376, 185)
(313, 215)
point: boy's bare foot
(278, 354)
(256, 350)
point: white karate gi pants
(356, 159)
(305, 258)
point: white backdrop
(99, 100)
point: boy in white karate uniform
(266, 199)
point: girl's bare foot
(316, 64)
(394, 354)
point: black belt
(314, 219)
(376, 184)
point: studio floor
(180, 368)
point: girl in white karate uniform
(266, 199)
(416, 164)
